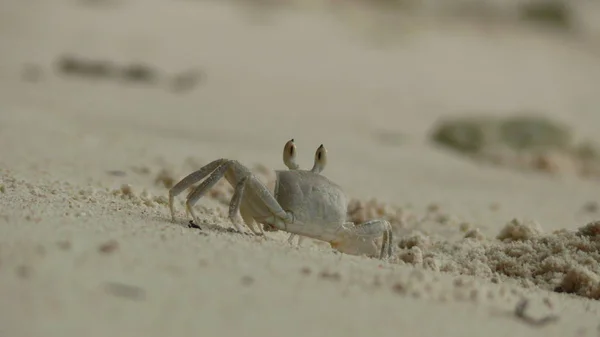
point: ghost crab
(303, 203)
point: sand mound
(563, 261)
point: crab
(303, 203)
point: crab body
(317, 204)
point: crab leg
(207, 184)
(217, 170)
(234, 205)
(278, 218)
(249, 220)
(190, 180)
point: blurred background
(142, 80)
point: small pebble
(591, 207)
(433, 208)
(399, 288)
(64, 245)
(247, 280)
(335, 276)
(108, 247)
(139, 73)
(191, 224)
(186, 81)
(23, 271)
(117, 173)
(305, 270)
(126, 291)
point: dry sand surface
(87, 247)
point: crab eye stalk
(321, 152)
(320, 159)
(289, 155)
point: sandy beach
(87, 245)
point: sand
(87, 246)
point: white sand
(303, 75)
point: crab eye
(321, 153)
(290, 147)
